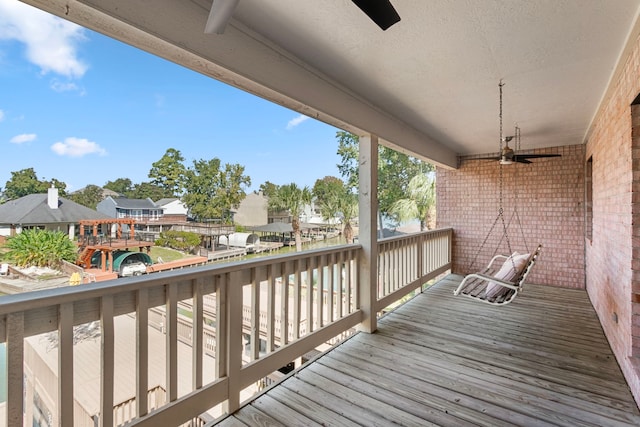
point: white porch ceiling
(429, 84)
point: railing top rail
(49, 297)
(411, 235)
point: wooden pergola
(107, 248)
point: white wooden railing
(407, 262)
(314, 294)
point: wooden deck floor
(445, 360)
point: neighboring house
(142, 210)
(105, 192)
(174, 210)
(252, 210)
(45, 211)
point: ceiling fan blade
(484, 158)
(537, 156)
(381, 12)
(518, 159)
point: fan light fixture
(219, 15)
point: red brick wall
(635, 239)
(549, 197)
(613, 256)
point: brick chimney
(52, 197)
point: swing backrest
(522, 276)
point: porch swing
(502, 279)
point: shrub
(179, 240)
(41, 248)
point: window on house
(589, 198)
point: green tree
(420, 203)
(348, 152)
(395, 170)
(169, 173)
(328, 192)
(348, 208)
(24, 182)
(211, 191)
(146, 190)
(290, 197)
(41, 248)
(268, 189)
(120, 185)
(89, 196)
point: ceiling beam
(247, 61)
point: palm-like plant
(420, 202)
(291, 198)
(348, 207)
(40, 248)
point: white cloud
(51, 42)
(77, 147)
(22, 138)
(59, 86)
(1, 115)
(296, 121)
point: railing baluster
(309, 294)
(197, 334)
(172, 341)
(284, 305)
(340, 284)
(107, 361)
(271, 309)
(330, 284)
(65, 364)
(221, 326)
(320, 300)
(297, 279)
(348, 282)
(15, 368)
(255, 315)
(142, 351)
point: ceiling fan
(381, 12)
(508, 155)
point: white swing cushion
(507, 273)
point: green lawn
(166, 254)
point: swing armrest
(494, 259)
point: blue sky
(86, 109)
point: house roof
(166, 201)
(123, 202)
(34, 209)
(427, 85)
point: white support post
(171, 324)
(142, 352)
(234, 339)
(197, 334)
(65, 364)
(107, 361)
(368, 208)
(15, 369)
